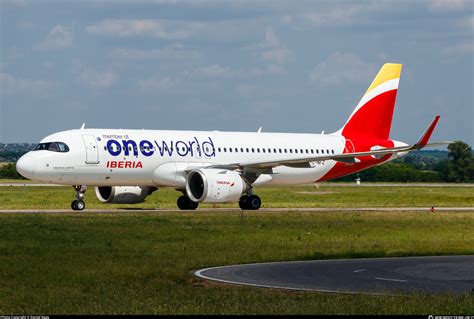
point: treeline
(425, 166)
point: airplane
(126, 166)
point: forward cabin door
(92, 151)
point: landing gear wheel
(254, 202)
(78, 205)
(184, 203)
(243, 202)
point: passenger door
(92, 151)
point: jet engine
(212, 185)
(123, 194)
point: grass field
(325, 195)
(140, 263)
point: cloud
(459, 49)
(215, 71)
(9, 84)
(271, 51)
(341, 68)
(59, 37)
(163, 29)
(157, 82)
(95, 79)
(19, 3)
(172, 52)
(451, 5)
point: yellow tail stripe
(388, 72)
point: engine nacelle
(210, 185)
(123, 194)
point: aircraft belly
(284, 175)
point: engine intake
(212, 185)
(123, 194)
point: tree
(460, 167)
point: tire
(192, 205)
(74, 205)
(254, 202)
(184, 203)
(243, 202)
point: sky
(286, 66)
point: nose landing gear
(79, 204)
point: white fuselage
(106, 157)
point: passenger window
(312, 151)
(291, 151)
(225, 149)
(263, 150)
(241, 150)
(236, 150)
(258, 150)
(253, 151)
(230, 149)
(247, 149)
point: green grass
(325, 195)
(141, 263)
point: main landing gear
(79, 204)
(185, 203)
(250, 202)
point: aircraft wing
(345, 158)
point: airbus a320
(126, 166)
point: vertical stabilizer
(372, 118)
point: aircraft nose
(26, 165)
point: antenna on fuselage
(83, 126)
(259, 129)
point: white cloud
(157, 82)
(459, 49)
(270, 50)
(163, 29)
(223, 30)
(95, 79)
(59, 37)
(443, 5)
(338, 13)
(19, 3)
(341, 68)
(9, 84)
(468, 22)
(175, 52)
(215, 71)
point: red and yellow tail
(372, 118)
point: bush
(9, 171)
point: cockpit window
(52, 146)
